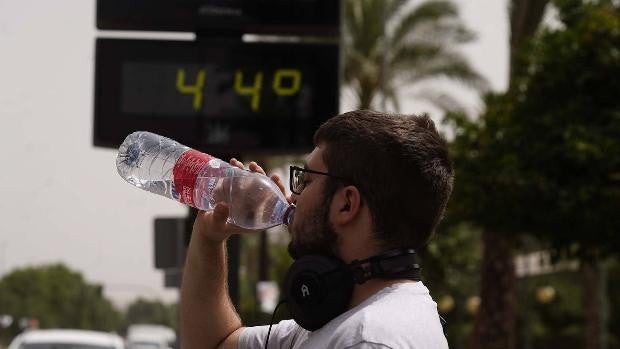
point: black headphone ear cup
(317, 289)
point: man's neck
(370, 288)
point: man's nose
(293, 198)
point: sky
(61, 198)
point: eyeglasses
(298, 181)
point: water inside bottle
(160, 187)
(255, 201)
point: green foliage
(451, 260)
(557, 323)
(451, 268)
(567, 117)
(57, 297)
(387, 46)
(545, 157)
(154, 312)
(488, 190)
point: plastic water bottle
(165, 167)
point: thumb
(220, 215)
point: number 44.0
(286, 82)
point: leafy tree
(388, 46)
(143, 311)
(57, 297)
(569, 110)
(544, 157)
(566, 129)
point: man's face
(311, 230)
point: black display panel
(215, 95)
(303, 17)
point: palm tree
(389, 46)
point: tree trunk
(591, 305)
(495, 323)
(366, 96)
(525, 17)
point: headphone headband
(393, 264)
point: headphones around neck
(319, 288)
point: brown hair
(401, 166)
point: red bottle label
(189, 165)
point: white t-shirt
(399, 316)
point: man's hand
(213, 225)
(254, 167)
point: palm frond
(351, 20)
(353, 64)
(414, 48)
(371, 13)
(452, 66)
(359, 65)
(392, 8)
(428, 12)
(409, 56)
(363, 25)
(439, 99)
(447, 32)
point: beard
(315, 234)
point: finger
(237, 163)
(210, 225)
(219, 216)
(254, 167)
(278, 181)
(200, 216)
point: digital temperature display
(190, 89)
(215, 94)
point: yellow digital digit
(196, 89)
(295, 77)
(252, 90)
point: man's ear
(346, 205)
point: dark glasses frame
(294, 169)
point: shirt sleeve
(283, 335)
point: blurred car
(146, 336)
(66, 339)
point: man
(374, 182)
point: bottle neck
(288, 215)
(283, 213)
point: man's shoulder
(400, 316)
(404, 304)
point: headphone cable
(273, 316)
